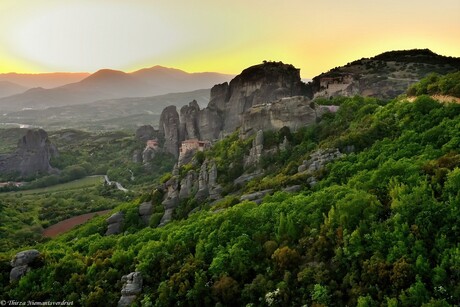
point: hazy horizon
(47, 36)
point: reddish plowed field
(68, 224)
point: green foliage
(435, 84)
(379, 228)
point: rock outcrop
(188, 185)
(170, 130)
(201, 186)
(317, 161)
(32, 155)
(256, 150)
(256, 197)
(115, 224)
(189, 121)
(132, 286)
(145, 212)
(146, 132)
(171, 200)
(256, 85)
(292, 112)
(21, 263)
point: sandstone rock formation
(132, 286)
(21, 263)
(32, 155)
(115, 224)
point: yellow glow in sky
(216, 35)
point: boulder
(167, 217)
(132, 286)
(115, 224)
(17, 272)
(24, 257)
(21, 263)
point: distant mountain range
(45, 80)
(104, 84)
(8, 88)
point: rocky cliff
(292, 112)
(31, 157)
(229, 102)
(258, 84)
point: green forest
(380, 228)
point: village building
(193, 144)
(153, 144)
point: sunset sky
(215, 35)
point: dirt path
(68, 224)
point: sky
(215, 35)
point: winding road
(117, 184)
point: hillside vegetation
(380, 227)
(435, 84)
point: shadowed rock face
(169, 128)
(146, 132)
(189, 121)
(32, 155)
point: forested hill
(378, 225)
